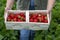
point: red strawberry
(18, 16)
(14, 19)
(39, 14)
(33, 16)
(31, 20)
(19, 20)
(30, 17)
(11, 15)
(35, 20)
(45, 21)
(42, 18)
(45, 17)
(8, 19)
(21, 13)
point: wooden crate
(26, 25)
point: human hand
(48, 11)
(6, 9)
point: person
(24, 5)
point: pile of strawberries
(33, 17)
(38, 17)
(17, 17)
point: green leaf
(1, 37)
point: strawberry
(45, 17)
(39, 19)
(18, 20)
(21, 13)
(39, 14)
(45, 21)
(14, 19)
(11, 15)
(31, 20)
(35, 20)
(8, 19)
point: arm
(50, 4)
(9, 4)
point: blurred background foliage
(53, 33)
